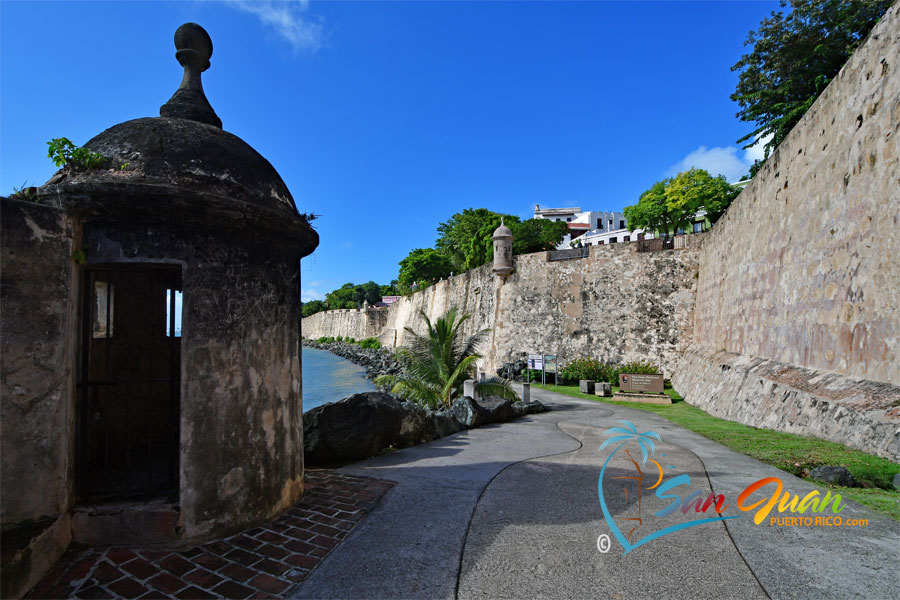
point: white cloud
(727, 161)
(286, 18)
(756, 151)
(307, 295)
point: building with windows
(581, 222)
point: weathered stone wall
(803, 269)
(241, 446)
(36, 349)
(615, 305)
(356, 323)
(36, 388)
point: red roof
(579, 225)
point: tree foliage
(351, 295)
(794, 56)
(535, 235)
(312, 307)
(671, 204)
(423, 265)
(436, 364)
(465, 238)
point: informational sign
(545, 363)
(641, 382)
(550, 363)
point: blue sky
(385, 118)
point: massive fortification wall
(797, 321)
(787, 315)
(356, 323)
(616, 304)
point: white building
(580, 222)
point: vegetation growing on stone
(436, 364)
(64, 153)
(794, 57)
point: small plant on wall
(64, 153)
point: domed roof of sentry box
(185, 151)
(502, 232)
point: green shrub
(350, 340)
(640, 367)
(325, 340)
(591, 368)
(583, 368)
(370, 344)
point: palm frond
(495, 386)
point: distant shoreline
(376, 362)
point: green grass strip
(789, 452)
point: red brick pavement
(263, 562)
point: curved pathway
(512, 511)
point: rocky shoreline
(365, 424)
(376, 362)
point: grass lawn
(795, 454)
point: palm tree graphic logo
(645, 441)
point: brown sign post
(639, 382)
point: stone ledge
(29, 552)
(766, 393)
(642, 398)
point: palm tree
(436, 364)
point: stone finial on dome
(193, 49)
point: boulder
(469, 413)
(351, 429)
(836, 475)
(419, 426)
(520, 409)
(472, 414)
(497, 410)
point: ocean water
(327, 378)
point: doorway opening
(130, 382)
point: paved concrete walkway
(512, 511)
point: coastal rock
(468, 412)
(498, 410)
(520, 409)
(836, 475)
(472, 414)
(375, 361)
(351, 429)
(419, 426)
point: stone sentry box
(182, 206)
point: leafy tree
(369, 292)
(436, 364)
(794, 57)
(423, 265)
(651, 211)
(535, 235)
(465, 238)
(670, 204)
(343, 297)
(391, 289)
(312, 307)
(696, 189)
